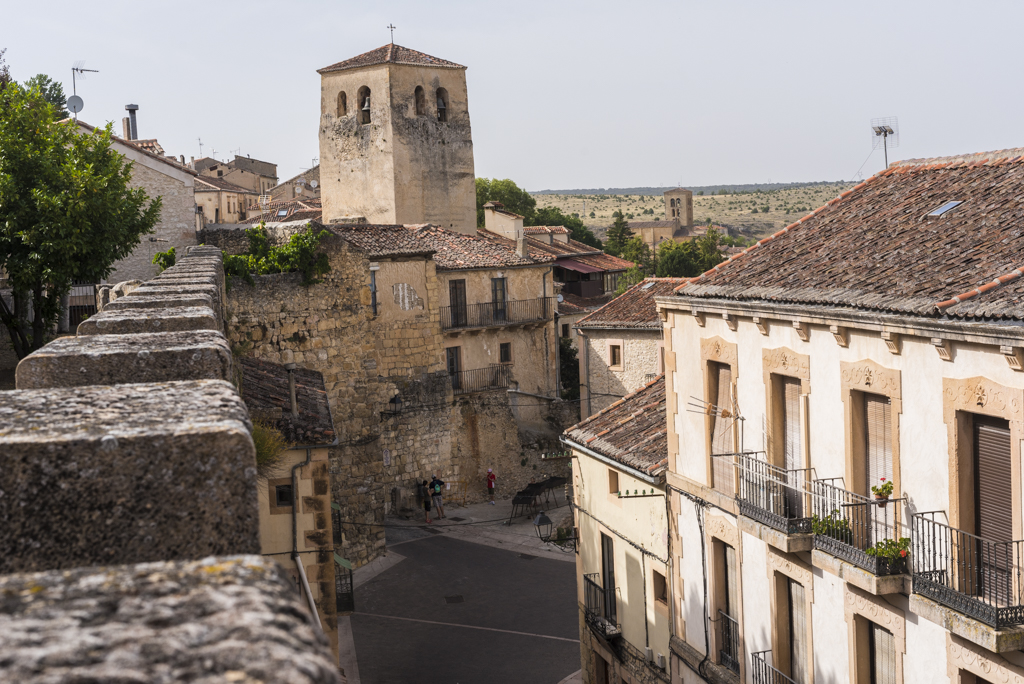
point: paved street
(516, 621)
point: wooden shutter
(608, 573)
(993, 502)
(797, 632)
(883, 656)
(877, 442)
(793, 448)
(732, 594)
(721, 425)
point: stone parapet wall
(131, 448)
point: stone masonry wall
(159, 474)
(640, 358)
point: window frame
(502, 348)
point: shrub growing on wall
(300, 254)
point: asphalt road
(500, 633)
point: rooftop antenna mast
(200, 147)
(887, 132)
(392, 27)
(75, 103)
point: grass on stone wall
(270, 448)
(300, 254)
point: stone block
(118, 359)
(125, 473)
(161, 301)
(197, 278)
(221, 619)
(133, 321)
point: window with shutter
(993, 507)
(721, 417)
(797, 632)
(732, 594)
(883, 656)
(877, 441)
(793, 447)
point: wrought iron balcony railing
(772, 495)
(977, 577)
(764, 673)
(496, 376)
(491, 314)
(598, 612)
(860, 530)
(728, 642)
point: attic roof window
(944, 208)
(282, 212)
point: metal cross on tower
(392, 27)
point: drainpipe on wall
(544, 292)
(584, 348)
(314, 616)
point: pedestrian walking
(490, 484)
(435, 492)
(425, 493)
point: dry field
(775, 208)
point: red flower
(903, 553)
(883, 479)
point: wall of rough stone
(640, 358)
(177, 225)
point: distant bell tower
(395, 141)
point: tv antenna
(392, 27)
(75, 103)
(200, 147)
(886, 132)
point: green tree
(67, 212)
(5, 72)
(631, 277)
(637, 251)
(515, 199)
(618, 235)
(569, 369)
(553, 216)
(689, 259)
(301, 254)
(52, 91)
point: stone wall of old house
(641, 361)
(177, 225)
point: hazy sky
(562, 94)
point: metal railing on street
(728, 642)
(764, 673)
(490, 314)
(977, 577)
(496, 376)
(771, 495)
(858, 529)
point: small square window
(615, 355)
(505, 352)
(613, 482)
(660, 587)
(283, 495)
(565, 330)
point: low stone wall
(131, 447)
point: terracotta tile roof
(634, 308)
(634, 225)
(549, 230)
(266, 394)
(214, 184)
(562, 250)
(150, 145)
(292, 204)
(605, 262)
(567, 308)
(451, 251)
(390, 54)
(295, 215)
(874, 248)
(632, 431)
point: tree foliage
(67, 212)
(631, 277)
(618, 235)
(689, 259)
(514, 198)
(5, 71)
(301, 253)
(52, 91)
(553, 216)
(569, 368)
(637, 251)
(164, 259)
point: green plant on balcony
(882, 491)
(832, 525)
(892, 551)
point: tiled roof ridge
(645, 280)
(764, 241)
(1009, 155)
(224, 185)
(615, 403)
(982, 289)
(391, 54)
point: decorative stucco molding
(963, 655)
(802, 329)
(721, 528)
(868, 376)
(839, 332)
(762, 324)
(858, 603)
(892, 341)
(981, 395)
(785, 361)
(1014, 357)
(717, 349)
(791, 567)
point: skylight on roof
(282, 212)
(648, 286)
(944, 208)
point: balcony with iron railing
(773, 496)
(859, 530)
(496, 314)
(764, 673)
(600, 615)
(728, 642)
(496, 376)
(977, 577)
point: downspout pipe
(314, 616)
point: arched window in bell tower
(421, 102)
(442, 104)
(342, 104)
(363, 104)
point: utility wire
(864, 162)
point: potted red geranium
(882, 491)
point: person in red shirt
(490, 484)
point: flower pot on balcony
(882, 500)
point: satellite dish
(298, 189)
(75, 104)
(313, 184)
(560, 299)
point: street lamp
(542, 523)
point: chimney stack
(132, 108)
(126, 128)
(521, 249)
